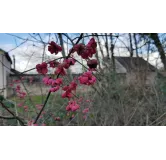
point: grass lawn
(38, 99)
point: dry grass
(113, 104)
(134, 105)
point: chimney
(14, 62)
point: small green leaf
(91, 115)
(8, 104)
(1, 98)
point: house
(134, 69)
(5, 70)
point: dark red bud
(92, 63)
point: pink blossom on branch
(57, 81)
(50, 81)
(20, 104)
(54, 48)
(72, 106)
(31, 79)
(57, 118)
(54, 89)
(79, 48)
(42, 68)
(68, 62)
(45, 80)
(25, 108)
(53, 64)
(73, 85)
(86, 110)
(30, 123)
(60, 70)
(84, 117)
(85, 51)
(18, 87)
(67, 94)
(39, 106)
(87, 78)
(21, 94)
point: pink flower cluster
(54, 83)
(31, 123)
(85, 51)
(20, 93)
(39, 106)
(42, 68)
(16, 81)
(53, 64)
(54, 48)
(68, 90)
(72, 106)
(60, 67)
(64, 65)
(86, 110)
(26, 108)
(20, 104)
(68, 62)
(57, 119)
(54, 117)
(87, 78)
(30, 79)
(22, 78)
(60, 70)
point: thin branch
(21, 122)
(4, 117)
(68, 38)
(17, 46)
(80, 37)
(48, 95)
(89, 36)
(23, 38)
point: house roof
(135, 63)
(6, 55)
(15, 71)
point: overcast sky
(29, 53)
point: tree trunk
(131, 45)
(112, 52)
(106, 45)
(155, 38)
(100, 47)
(97, 56)
(63, 54)
(136, 48)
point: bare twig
(16, 117)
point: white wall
(1, 72)
(4, 72)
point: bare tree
(131, 45)
(158, 44)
